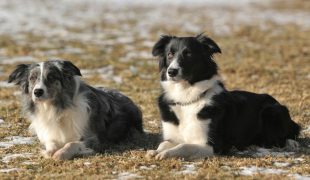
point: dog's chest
(60, 128)
(190, 129)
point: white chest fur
(63, 127)
(190, 129)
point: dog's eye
(170, 55)
(51, 78)
(33, 78)
(187, 53)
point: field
(265, 48)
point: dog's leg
(292, 145)
(162, 146)
(188, 151)
(50, 149)
(72, 149)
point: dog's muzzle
(172, 72)
(38, 92)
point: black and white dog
(199, 116)
(70, 117)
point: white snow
(5, 84)
(87, 163)
(128, 175)
(9, 170)
(133, 70)
(106, 71)
(281, 164)
(14, 140)
(1, 121)
(29, 162)
(9, 157)
(249, 171)
(188, 169)
(18, 59)
(147, 167)
(133, 55)
(299, 177)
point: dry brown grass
(275, 60)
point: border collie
(200, 117)
(70, 117)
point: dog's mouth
(174, 78)
(40, 99)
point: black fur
(166, 112)
(241, 119)
(238, 118)
(188, 49)
(20, 76)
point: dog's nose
(172, 72)
(38, 92)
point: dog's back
(252, 119)
(113, 116)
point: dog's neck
(182, 92)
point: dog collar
(172, 103)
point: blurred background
(265, 43)
(265, 47)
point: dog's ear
(160, 45)
(69, 68)
(20, 76)
(210, 45)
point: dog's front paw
(62, 154)
(162, 155)
(48, 153)
(151, 153)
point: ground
(265, 49)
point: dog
(200, 118)
(70, 117)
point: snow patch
(5, 84)
(128, 175)
(188, 169)
(106, 71)
(300, 177)
(9, 157)
(87, 163)
(249, 171)
(147, 167)
(281, 164)
(15, 140)
(30, 163)
(18, 60)
(9, 170)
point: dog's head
(186, 58)
(44, 81)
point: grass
(275, 60)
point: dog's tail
(277, 126)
